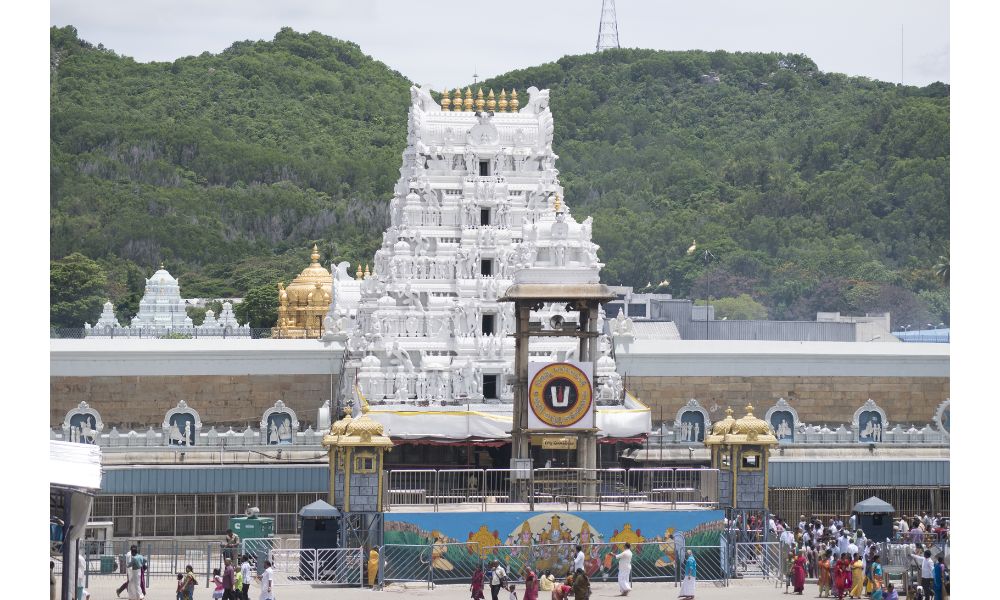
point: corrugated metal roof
(205, 479)
(656, 330)
(926, 472)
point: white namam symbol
(559, 396)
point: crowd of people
(576, 584)
(846, 563)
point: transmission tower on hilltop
(607, 35)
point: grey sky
(443, 44)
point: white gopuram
(162, 307)
(478, 201)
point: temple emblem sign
(560, 396)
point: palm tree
(943, 269)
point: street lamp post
(707, 256)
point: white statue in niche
(272, 436)
(401, 356)
(188, 437)
(560, 229)
(559, 255)
(285, 431)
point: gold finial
(729, 411)
(445, 100)
(491, 103)
(456, 101)
(558, 204)
(315, 254)
(359, 273)
(503, 100)
(467, 105)
(749, 409)
(161, 266)
(367, 272)
(480, 102)
(281, 285)
(514, 103)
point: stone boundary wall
(818, 399)
(138, 401)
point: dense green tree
(742, 307)
(816, 191)
(259, 307)
(76, 291)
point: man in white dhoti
(134, 573)
(625, 569)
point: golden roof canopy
(306, 281)
(750, 425)
(725, 425)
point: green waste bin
(107, 564)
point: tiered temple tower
(162, 307)
(478, 199)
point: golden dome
(750, 425)
(724, 426)
(314, 273)
(365, 427)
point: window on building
(636, 310)
(484, 216)
(484, 168)
(486, 267)
(490, 386)
(364, 463)
(488, 324)
(612, 309)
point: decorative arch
(869, 423)
(691, 421)
(82, 424)
(784, 420)
(278, 425)
(942, 418)
(181, 425)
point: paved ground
(103, 588)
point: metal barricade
(654, 486)
(711, 563)
(340, 566)
(500, 488)
(695, 488)
(756, 560)
(410, 487)
(513, 558)
(459, 486)
(455, 562)
(401, 563)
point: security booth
(875, 518)
(320, 526)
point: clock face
(560, 395)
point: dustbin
(107, 564)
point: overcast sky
(444, 43)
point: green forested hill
(815, 191)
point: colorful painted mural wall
(450, 546)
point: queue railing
(568, 488)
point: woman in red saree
(477, 584)
(838, 579)
(799, 572)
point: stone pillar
(519, 437)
